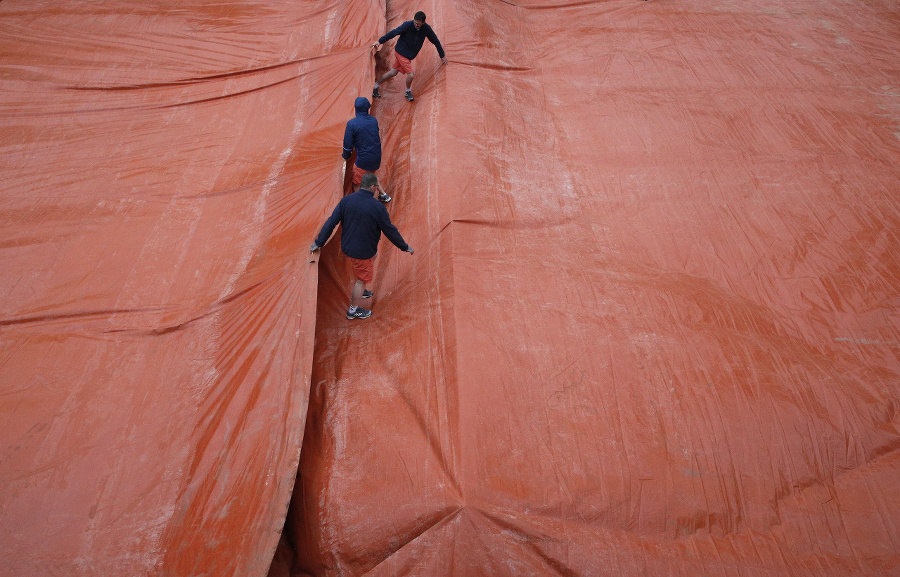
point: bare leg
(388, 75)
(409, 79)
(358, 289)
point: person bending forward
(412, 35)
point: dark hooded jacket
(362, 134)
(411, 40)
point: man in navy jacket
(412, 35)
(362, 134)
(362, 220)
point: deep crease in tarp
(666, 345)
(690, 335)
(158, 322)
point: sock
(352, 309)
(376, 86)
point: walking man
(362, 134)
(362, 220)
(412, 35)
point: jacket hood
(362, 105)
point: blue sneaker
(359, 313)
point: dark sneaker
(359, 313)
(367, 295)
(409, 95)
(384, 198)
(375, 93)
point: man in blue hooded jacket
(362, 134)
(412, 35)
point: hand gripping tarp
(650, 326)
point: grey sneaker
(359, 313)
(409, 95)
(384, 198)
(368, 295)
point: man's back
(363, 219)
(362, 134)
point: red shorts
(358, 174)
(364, 269)
(402, 63)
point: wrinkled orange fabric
(650, 326)
(164, 169)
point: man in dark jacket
(363, 135)
(412, 35)
(362, 220)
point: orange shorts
(402, 63)
(358, 174)
(364, 269)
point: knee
(411, 75)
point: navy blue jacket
(362, 220)
(362, 134)
(411, 40)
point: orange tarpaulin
(650, 326)
(164, 166)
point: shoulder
(361, 198)
(372, 204)
(366, 124)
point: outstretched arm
(328, 227)
(395, 32)
(390, 231)
(348, 142)
(432, 37)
